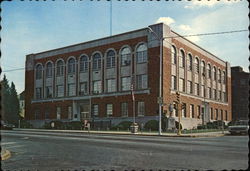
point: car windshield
(241, 123)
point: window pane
(124, 109)
(111, 85)
(142, 81)
(109, 110)
(84, 64)
(97, 87)
(126, 83)
(141, 109)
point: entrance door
(84, 111)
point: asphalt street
(75, 151)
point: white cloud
(211, 3)
(165, 20)
(184, 27)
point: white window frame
(109, 110)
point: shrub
(124, 125)
(76, 125)
(25, 124)
(152, 125)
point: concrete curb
(212, 134)
(5, 154)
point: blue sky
(32, 27)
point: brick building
(240, 93)
(92, 80)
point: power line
(190, 35)
(207, 34)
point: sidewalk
(164, 134)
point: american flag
(132, 91)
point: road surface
(76, 151)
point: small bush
(75, 125)
(152, 125)
(124, 125)
(25, 124)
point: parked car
(240, 127)
(6, 126)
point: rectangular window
(184, 110)
(69, 112)
(59, 90)
(71, 89)
(202, 91)
(189, 87)
(216, 114)
(221, 112)
(97, 87)
(142, 81)
(38, 93)
(224, 97)
(124, 109)
(209, 93)
(83, 88)
(173, 82)
(182, 85)
(109, 110)
(198, 111)
(226, 117)
(58, 113)
(191, 111)
(37, 114)
(219, 98)
(197, 89)
(95, 110)
(215, 94)
(211, 113)
(141, 108)
(126, 83)
(49, 92)
(111, 85)
(47, 112)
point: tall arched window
(71, 66)
(125, 56)
(203, 69)
(110, 62)
(209, 71)
(224, 77)
(39, 70)
(219, 75)
(173, 55)
(49, 70)
(84, 64)
(214, 73)
(59, 68)
(97, 61)
(182, 59)
(197, 65)
(190, 62)
(141, 54)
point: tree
(10, 102)
(14, 117)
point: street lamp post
(160, 100)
